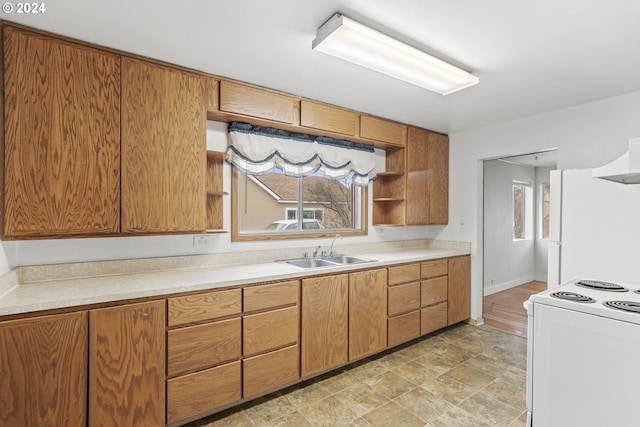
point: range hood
(625, 169)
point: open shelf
(214, 192)
(389, 191)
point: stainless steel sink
(310, 263)
(332, 261)
(347, 259)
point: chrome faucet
(332, 242)
(315, 251)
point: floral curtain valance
(258, 150)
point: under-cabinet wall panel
(62, 137)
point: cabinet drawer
(403, 298)
(270, 296)
(270, 371)
(433, 318)
(434, 268)
(383, 130)
(433, 291)
(273, 329)
(203, 391)
(257, 102)
(404, 328)
(326, 117)
(197, 308)
(203, 346)
(404, 273)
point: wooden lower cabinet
(270, 371)
(43, 371)
(270, 330)
(433, 318)
(367, 312)
(197, 347)
(459, 307)
(325, 320)
(127, 362)
(404, 328)
(201, 392)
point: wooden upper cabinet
(438, 178)
(418, 201)
(43, 371)
(381, 130)
(163, 148)
(252, 101)
(427, 177)
(329, 118)
(62, 137)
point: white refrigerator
(594, 229)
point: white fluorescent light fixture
(351, 41)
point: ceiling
(531, 56)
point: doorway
(515, 229)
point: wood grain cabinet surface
(367, 312)
(163, 148)
(203, 307)
(459, 292)
(329, 118)
(43, 371)
(404, 303)
(383, 130)
(61, 137)
(257, 102)
(127, 362)
(325, 317)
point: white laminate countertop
(66, 293)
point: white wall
(507, 262)
(586, 136)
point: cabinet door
(324, 323)
(438, 178)
(385, 131)
(459, 289)
(127, 365)
(163, 148)
(367, 312)
(62, 137)
(327, 117)
(257, 102)
(43, 371)
(418, 200)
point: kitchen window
(269, 206)
(289, 185)
(545, 197)
(522, 208)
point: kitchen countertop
(82, 291)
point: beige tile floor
(463, 376)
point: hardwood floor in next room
(504, 310)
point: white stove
(583, 351)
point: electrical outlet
(201, 241)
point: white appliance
(583, 355)
(594, 228)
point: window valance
(258, 150)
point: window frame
(236, 236)
(526, 189)
(544, 185)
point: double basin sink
(330, 261)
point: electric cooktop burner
(630, 306)
(601, 286)
(572, 296)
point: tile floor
(463, 376)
